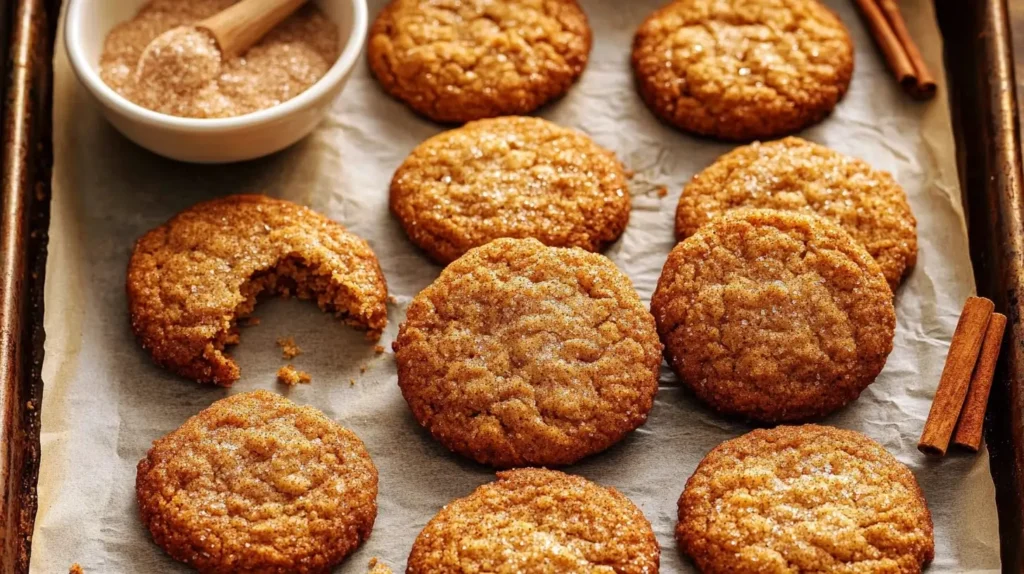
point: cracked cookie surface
(804, 499)
(793, 174)
(256, 483)
(192, 278)
(742, 69)
(510, 177)
(521, 354)
(774, 315)
(536, 521)
(455, 61)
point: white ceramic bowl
(217, 140)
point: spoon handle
(241, 25)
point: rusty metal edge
(24, 220)
(988, 141)
(979, 54)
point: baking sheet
(104, 402)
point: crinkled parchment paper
(105, 402)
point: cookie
(521, 354)
(796, 175)
(537, 521)
(510, 177)
(774, 316)
(192, 278)
(804, 499)
(256, 483)
(461, 61)
(742, 70)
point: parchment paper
(105, 402)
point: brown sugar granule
(289, 350)
(286, 62)
(177, 63)
(291, 376)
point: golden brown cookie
(804, 499)
(192, 278)
(537, 521)
(796, 175)
(742, 69)
(774, 315)
(510, 177)
(461, 61)
(521, 354)
(256, 483)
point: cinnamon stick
(956, 376)
(925, 86)
(890, 32)
(972, 418)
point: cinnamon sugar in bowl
(247, 128)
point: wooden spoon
(241, 25)
(185, 59)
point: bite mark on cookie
(192, 279)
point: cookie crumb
(76, 569)
(377, 566)
(291, 376)
(662, 191)
(351, 382)
(362, 369)
(248, 321)
(392, 300)
(289, 350)
(378, 349)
